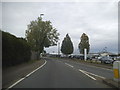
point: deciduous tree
(41, 34)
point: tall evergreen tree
(84, 43)
(67, 46)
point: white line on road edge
(36, 69)
(69, 65)
(15, 83)
(87, 74)
(92, 74)
(26, 76)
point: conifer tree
(67, 45)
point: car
(106, 60)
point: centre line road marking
(87, 74)
(92, 74)
(69, 65)
(94, 66)
(26, 76)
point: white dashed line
(69, 65)
(26, 76)
(89, 73)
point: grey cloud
(98, 20)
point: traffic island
(115, 82)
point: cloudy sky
(99, 20)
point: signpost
(85, 54)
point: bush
(14, 50)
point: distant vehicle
(118, 58)
(106, 60)
(63, 56)
(89, 58)
(78, 57)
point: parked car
(63, 56)
(106, 60)
(79, 57)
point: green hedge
(14, 50)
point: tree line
(39, 35)
(67, 45)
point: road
(65, 74)
(104, 72)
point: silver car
(107, 60)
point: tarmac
(112, 83)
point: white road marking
(92, 74)
(36, 69)
(69, 65)
(26, 76)
(87, 74)
(15, 83)
(95, 75)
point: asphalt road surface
(104, 72)
(65, 74)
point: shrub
(14, 50)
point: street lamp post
(41, 15)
